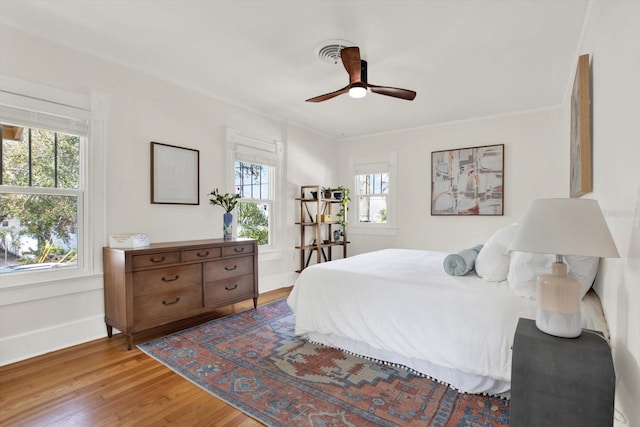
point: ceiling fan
(358, 85)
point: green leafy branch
(227, 201)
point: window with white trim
(374, 198)
(257, 172)
(253, 184)
(371, 195)
(41, 191)
(52, 182)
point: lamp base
(559, 297)
(564, 325)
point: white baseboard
(23, 346)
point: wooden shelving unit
(318, 222)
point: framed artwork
(468, 181)
(580, 157)
(175, 175)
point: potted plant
(326, 192)
(228, 202)
(342, 214)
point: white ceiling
(465, 59)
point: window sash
(57, 124)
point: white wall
(612, 37)
(535, 166)
(40, 317)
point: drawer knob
(231, 268)
(164, 279)
(152, 259)
(238, 250)
(202, 255)
(232, 288)
(171, 302)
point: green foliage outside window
(253, 222)
(40, 160)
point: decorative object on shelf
(344, 205)
(326, 192)
(580, 156)
(336, 235)
(175, 175)
(228, 202)
(468, 181)
(562, 227)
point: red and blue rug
(253, 361)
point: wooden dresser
(166, 282)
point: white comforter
(399, 305)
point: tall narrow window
(372, 190)
(41, 198)
(254, 183)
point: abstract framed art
(468, 181)
(175, 175)
(580, 157)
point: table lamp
(562, 227)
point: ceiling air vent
(329, 51)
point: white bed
(399, 306)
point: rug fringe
(406, 368)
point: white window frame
(39, 106)
(267, 153)
(368, 164)
(269, 201)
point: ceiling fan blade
(329, 95)
(396, 92)
(351, 61)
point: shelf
(323, 245)
(313, 232)
(317, 223)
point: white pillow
(525, 267)
(492, 264)
(584, 268)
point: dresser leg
(109, 331)
(129, 342)
(255, 302)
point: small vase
(228, 226)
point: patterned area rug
(253, 361)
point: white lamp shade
(565, 227)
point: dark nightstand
(560, 382)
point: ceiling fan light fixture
(357, 90)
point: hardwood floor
(100, 383)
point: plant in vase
(326, 192)
(228, 202)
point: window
(255, 173)
(52, 183)
(253, 184)
(374, 200)
(40, 200)
(372, 190)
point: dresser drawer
(169, 303)
(228, 289)
(167, 279)
(226, 268)
(201, 254)
(160, 258)
(237, 250)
